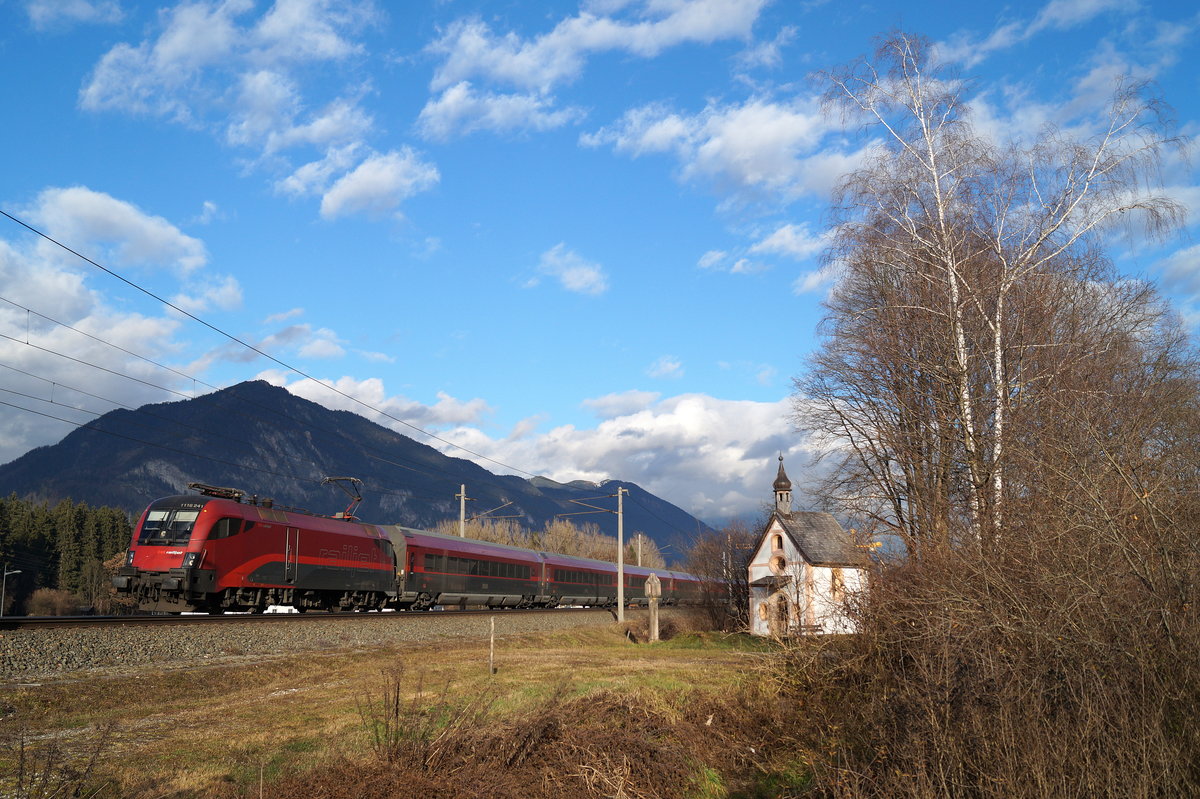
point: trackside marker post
(653, 592)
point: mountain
(266, 441)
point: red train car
(218, 552)
(446, 570)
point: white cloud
(283, 316)
(715, 458)
(470, 49)
(379, 184)
(96, 223)
(712, 259)
(461, 109)
(623, 403)
(768, 55)
(1057, 15)
(222, 293)
(1065, 14)
(323, 344)
(48, 14)
(57, 363)
(208, 212)
(572, 272)
(185, 70)
(816, 279)
(1181, 270)
(753, 147)
(446, 412)
(315, 176)
(667, 366)
(794, 241)
(312, 30)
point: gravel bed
(36, 654)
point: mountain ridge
(264, 440)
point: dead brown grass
(581, 713)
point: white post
(492, 649)
(462, 511)
(620, 555)
(4, 586)
(639, 549)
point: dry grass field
(585, 713)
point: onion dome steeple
(783, 490)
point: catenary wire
(253, 348)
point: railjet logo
(347, 552)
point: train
(221, 550)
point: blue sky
(581, 239)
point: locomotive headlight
(191, 560)
(129, 558)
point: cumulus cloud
(571, 271)
(229, 68)
(368, 396)
(461, 109)
(51, 14)
(816, 279)
(470, 51)
(794, 241)
(124, 235)
(758, 146)
(715, 458)
(379, 184)
(622, 403)
(223, 293)
(71, 340)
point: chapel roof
(821, 540)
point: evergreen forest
(59, 553)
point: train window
(165, 527)
(225, 528)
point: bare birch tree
(971, 276)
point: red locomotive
(222, 551)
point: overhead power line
(253, 348)
(176, 450)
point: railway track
(33, 623)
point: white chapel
(803, 570)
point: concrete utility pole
(461, 496)
(4, 586)
(621, 554)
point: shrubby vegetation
(562, 537)
(1024, 420)
(61, 553)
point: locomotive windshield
(168, 525)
